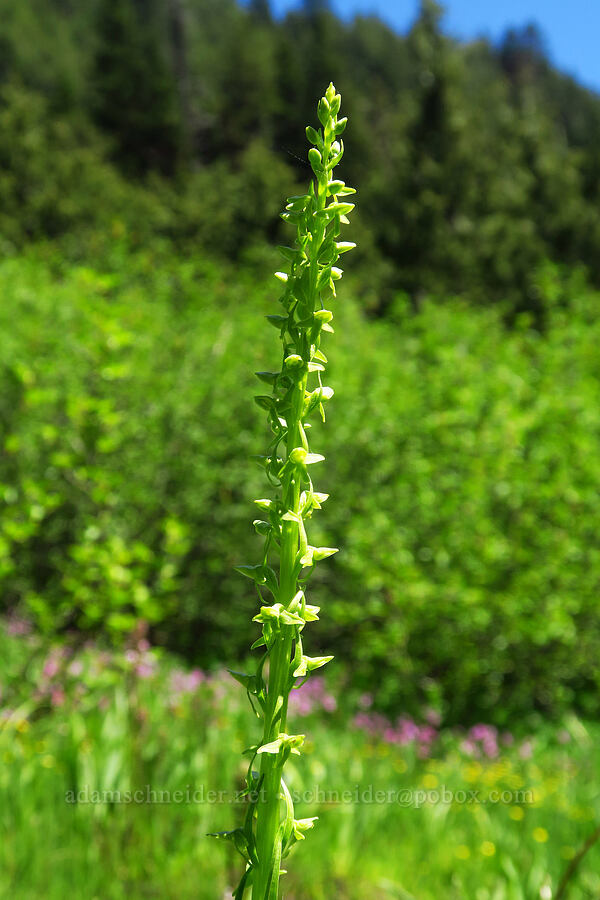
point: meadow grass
(75, 722)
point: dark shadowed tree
(313, 7)
(522, 53)
(261, 10)
(246, 93)
(134, 94)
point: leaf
(271, 581)
(266, 402)
(268, 377)
(245, 882)
(289, 253)
(247, 681)
(277, 321)
(256, 573)
(237, 837)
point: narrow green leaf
(247, 681)
(268, 377)
(256, 573)
(277, 321)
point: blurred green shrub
(463, 459)
(53, 176)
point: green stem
(267, 823)
(268, 810)
(312, 260)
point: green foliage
(226, 208)
(45, 47)
(474, 464)
(462, 457)
(36, 196)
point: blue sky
(571, 27)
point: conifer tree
(134, 95)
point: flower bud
(323, 111)
(315, 160)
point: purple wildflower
(57, 696)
